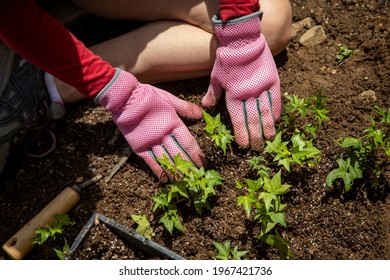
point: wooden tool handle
(20, 244)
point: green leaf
(246, 202)
(321, 115)
(278, 218)
(286, 163)
(254, 185)
(224, 142)
(53, 230)
(65, 248)
(212, 123)
(312, 151)
(208, 191)
(200, 205)
(383, 113)
(42, 236)
(143, 226)
(179, 188)
(213, 178)
(62, 220)
(237, 255)
(267, 198)
(279, 243)
(171, 220)
(167, 222)
(346, 172)
(267, 226)
(166, 163)
(345, 52)
(220, 135)
(239, 185)
(59, 253)
(296, 104)
(351, 142)
(275, 145)
(312, 129)
(298, 141)
(386, 147)
(275, 185)
(160, 201)
(223, 250)
(302, 149)
(258, 163)
(182, 165)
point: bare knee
(276, 23)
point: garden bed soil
(322, 223)
(102, 244)
(102, 238)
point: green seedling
(346, 172)
(220, 135)
(143, 226)
(225, 252)
(364, 155)
(309, 113)
(344, 53)
(276, 241)
(47, 234)
(298, 150)
(191, 184)
(264, 199)
(293, 144)
(385, 115)
(258, 164)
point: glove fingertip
(241, 140)
(199, 158)
(208, 100)
(153, 165)
(212, 96)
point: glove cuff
(242, 28)
(117, 91)
(217, 21)
(229, 9)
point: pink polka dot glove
(245, 69)
(148, 119)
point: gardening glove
(147, 117)
(245, 69)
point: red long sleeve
(230, 9)
(42, 40)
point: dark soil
(323, 223)
(102, 243)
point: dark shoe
(26, 110)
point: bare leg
(276, 21)
(172, 49)
(157, 52)
(195, 12)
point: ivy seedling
(191, 184)
(220, 135)
(47, 234)
(225, 252)
(308, 113)
(346, 172)
(364, 154)
(264, 196)
(345, 52)
(298, 150)
(257, 163)
(275, 240)
(143, 226)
